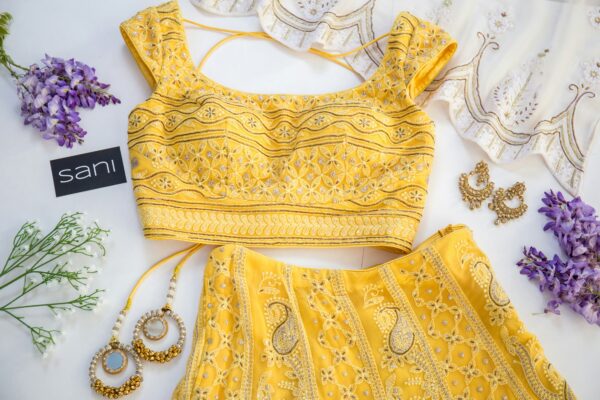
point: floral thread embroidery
(199, 143)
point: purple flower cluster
(575, 279)
(52, 92)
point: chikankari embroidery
(215, 165)
(433, 324)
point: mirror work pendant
(154, 326)
(115, 357)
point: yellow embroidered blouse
(216, 165)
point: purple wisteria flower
(575, 278)
(52, 91)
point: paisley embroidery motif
(482, 273)
(497, 302)
(400, 338)
(285, 335)
(421, 360)
(283, 349)
(314, 333)
(516, 96)
(560, 389)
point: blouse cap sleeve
(142, 35)
(427, 48)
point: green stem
(28, 254)
(11, 71)
(64, 303)
(20, 319)
(28, 290)
(6, 269)
(18, 277)
(31, 289)
(33, 331)
(14, 64)
(6, 262)
(37, 265)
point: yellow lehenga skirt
(433, 324)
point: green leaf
(5, 59)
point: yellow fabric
(433, 324)
(211, 164)
(216, 165)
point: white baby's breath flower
(100, 304)
(60, 269)
(49, 348)
(84, 288)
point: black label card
(88, 171)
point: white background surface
(89, 32)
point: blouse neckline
(379, 71)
